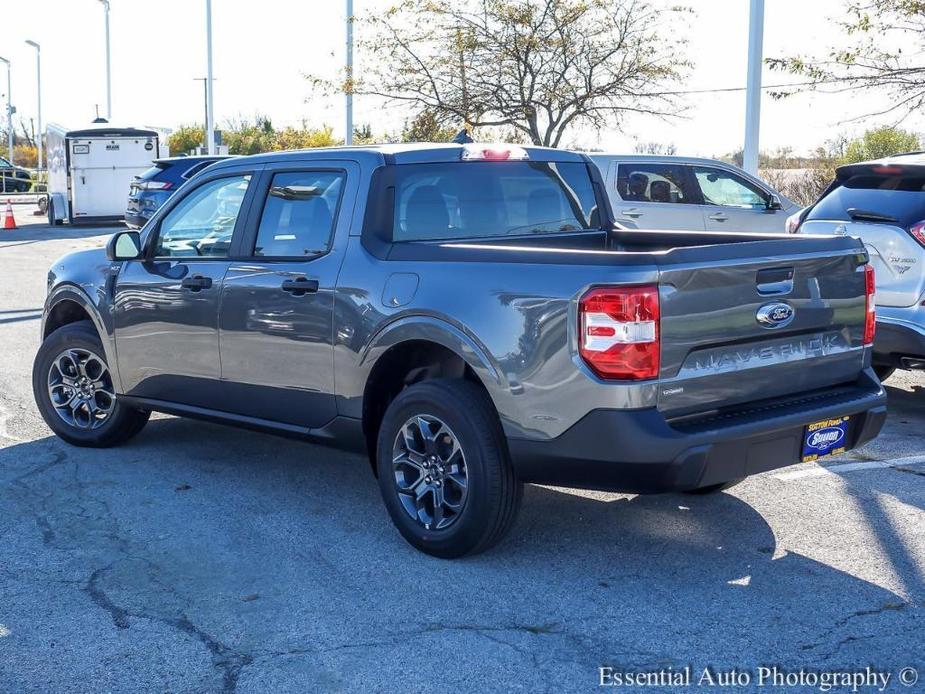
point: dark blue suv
(151, 189)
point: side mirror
(126, 245)
(774, 202)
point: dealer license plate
(825, 438)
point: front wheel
(444, 470)
(74, 390)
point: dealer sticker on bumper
(825, 438)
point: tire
(884, 372)
(713, 488)
(73, 354)
(489, 503)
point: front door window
(203, 223)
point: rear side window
(152, 172)
(459, 200)
(901, 197)
(298, 217)
(195, 169)
(653, 183)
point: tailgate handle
(775, 280)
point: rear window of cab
(456, 200)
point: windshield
(895, 198)
(460, 200)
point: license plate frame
(826, 438)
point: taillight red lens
(918, 231)
(870, 319)
(619, 332)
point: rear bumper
(639, 451)
(900, 333)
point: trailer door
(102, 170)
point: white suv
(661, 192)
(883, 203)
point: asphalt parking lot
(203, 558)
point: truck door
(166, 305)
(277, 305)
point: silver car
(662, 192)
(883, 204)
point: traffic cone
(10, 221)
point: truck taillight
(619, 332)
(870, 319)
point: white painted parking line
(821, 471)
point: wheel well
(62, 313)
(401, 366)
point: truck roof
(403, 153)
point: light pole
(753, 86)
(108, 64)
(9, 108)
(210, 117)
(38, 76)
(348, 138)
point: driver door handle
(196, 283)
(719, 217)
(632, 212)
(300, 286)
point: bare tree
(538, 67)
(883, 52)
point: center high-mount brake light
(619, 332)
(477, 152)
(870, 318)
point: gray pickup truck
(472, 318)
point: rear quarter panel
(515, 323)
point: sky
(262, 50)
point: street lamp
(108, 66)
(38, 75)
(210, 111)
(9, 107)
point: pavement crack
(225, 659)
(101, 599)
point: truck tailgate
(739, 328)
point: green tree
(305, 138)
(243, 136)
(539, 67)
(871, 57)
(426, 127)
(879, 143)
(185, 138)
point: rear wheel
(444, 470)
(74, 390)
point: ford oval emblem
(825, 438)
(775, 315)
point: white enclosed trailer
(89, 170)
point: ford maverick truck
(472, 318)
